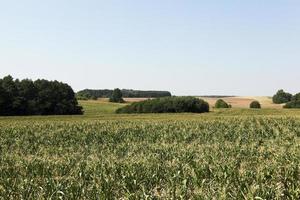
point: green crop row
(200, 158)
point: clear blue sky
(189, 47)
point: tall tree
(4, 100)
(40, 97)
(282, 97)
(11, 92)
(116, 96)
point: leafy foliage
(282, 97)
(167, 105)
(220, 103)
(294, 103)
(255, 104)
(39, 97)
(296, 97)
(116, 96)
(94, 94)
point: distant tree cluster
(167, 105)
(117, 96)
(291, 101)
(216, 96)
(40, 97)
(220, 103)
(88, 94)
(282, 97)
(94, 94)
(294, 103)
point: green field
(99, 107)
(224, 154)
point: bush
(281, 97)
(255, 104)
(296, 97)
(294, 103)
(116, 96)
(167, 105)
(220, 103)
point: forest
(40, 97)
(126, 93)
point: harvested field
(243, 102)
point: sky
(188, 47)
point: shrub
(167, 105)
(220, 103)
(281, 97)
(255, 104)
(296, 97)
(294, 103)
(116, 96)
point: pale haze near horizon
(186, 47)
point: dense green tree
(94, 94)
(294, 103)
(116, 96)
(11, 94)
(5, 104)
(296, 97)
(282, 97)
(28, 96)
(255, 104)
(220, 103)
(40, 97)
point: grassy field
(99, 107)
(224, 154)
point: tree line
(105, 93)
(40, 97)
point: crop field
(224, 154)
